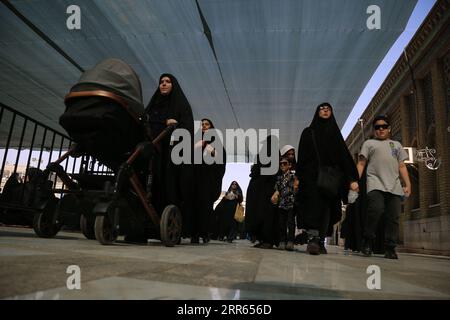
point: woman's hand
(296, 184)
(354, 186)
(209, 149)
(171, 121)
(199, 144)
(274, 198)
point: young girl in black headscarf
(318, 211)
(172, 184)
(208, 185)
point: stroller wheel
(104, 232)
(87, 226)
(170, 226)
(43, 222)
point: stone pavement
(36, 268)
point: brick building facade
(416, 97)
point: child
(385, 170)
(284, 197)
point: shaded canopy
(243, 63)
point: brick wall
(420, 113)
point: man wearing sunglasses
(385, 166)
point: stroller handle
(165, 132)
(144, 146)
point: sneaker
(313, 247)
(390, 254)
(281, 246)
(290, 246)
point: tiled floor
(36, 268)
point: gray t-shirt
(383, 157)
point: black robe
(352, 229)
(225, 214)
(172, 184)
(261, 218)
(333, 152)
(208, 186)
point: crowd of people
(295, 205)
(300, 203)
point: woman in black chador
(225, 211)
(261, 218)
(172, 184)
(319, 211)
(208, 185)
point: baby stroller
(104, 117)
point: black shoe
(263, 245)
(322, 249)
(390, 254)
(366, 248)
(313, 247)
(301, 238)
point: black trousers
(287, 224)
(386, 206)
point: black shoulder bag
(329, 178)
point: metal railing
(26, 143)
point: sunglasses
(381, 126)
(324, 108)
(284, 163)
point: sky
(418, 15)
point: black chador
(208, 185)
(172, 184)
(317, 211)
(261, 219)
(225, 212)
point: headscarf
(238, 188)
(212, 127)
(285, 149)
(327, 134)
(267, 144)
(172, 106)
(210, 122)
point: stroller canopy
(116, 76)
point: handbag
(239, 213)
(329, 178)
